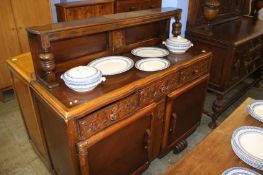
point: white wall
(53, 9)
(183, 4)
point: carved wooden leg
(180, 146)
(213, 124)
(218, 108)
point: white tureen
(82, 78)
(178, 44)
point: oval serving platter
(152, 64)
(112, 65)
(150, 52)
(240, 171)
(255, 109)
(247, 143)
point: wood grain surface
(214, 154)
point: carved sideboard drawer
(194, 71)
(158, 89)
(105, 117)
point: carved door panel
(183, 113)
(123, 148)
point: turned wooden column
(47, 65)
(177, 26)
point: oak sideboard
(131, 118)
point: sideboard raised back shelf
(236, 42)
(131, 118)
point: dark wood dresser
(67, 11)
(236, 42)
(131, 118)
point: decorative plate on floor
(152, 64)
(239, 171)
(247, 143)
(255, 109)
(150, 52)
(112, 65)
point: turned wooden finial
(177, 26)
(47, 65)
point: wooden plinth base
(180, 146)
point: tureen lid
(179, 39)
(81, 72)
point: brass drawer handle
(196, 71)
(155, 93)
(113, 117)
(132, 8)
(152, 6)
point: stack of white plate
(151, 58)
(239, 171)
(247, 143)
(255, 109)
(178, 44)
(82, 78)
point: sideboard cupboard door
(29, 13)
(121, 149)
(9, 45)
(184, 111)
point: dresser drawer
(88, 11)
(127, 6)
(133, 5)
(194, 71)
(151, 4)
(158, 89)
(107, 116)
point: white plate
(152, 64)
(255, 109)
(149, 52)
(240, 171)
(247, 143)
(112, 65)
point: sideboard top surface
(118, 85)
(234, 32)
